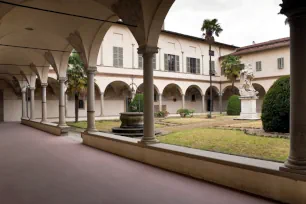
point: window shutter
(198, 62)
(115, 57)
(166, 62)
(120, 57)
(140, 61)
(154, 62)
(177, 63)
(188, 65)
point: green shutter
(188, 65)
(166, 62)
(140, 61)
(120, 56)
(154, 62)
(115, 57)
(198, 62)
(177, 63)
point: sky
(243, 21)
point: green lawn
(103, 125)
(230, 142)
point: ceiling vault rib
(66, 14)
(35, 48)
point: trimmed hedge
(234, 105)
(276, 107)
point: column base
(148, 141)
(91, 130)
(293, 171)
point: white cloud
(243, 21)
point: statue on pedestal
(246, 88)
(248, 95)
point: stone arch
(140, 89)
(172, 98)
(117, 95)
(261, 95)
(226, 94)
(215, 94)
(193, 98)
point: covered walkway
(36, 167)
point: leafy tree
(231, 66)
(137, 104)
(211, 28)
(77, 80)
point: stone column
(24, 103)
(66, 104)
(203, 104)
(44, 102)
(149, 132)
(102, 104)
(297, 19)
(160, 97)
(183, 101)
(62, 118)
(32, 104)
(91, 126)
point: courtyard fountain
(132, 121)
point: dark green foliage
(234, 105)
(185, 112)
(276, 107)
(161, 114)
(137, 104)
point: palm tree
(231, 65)
(77, 80)
(209, 29)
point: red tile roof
(272, 44)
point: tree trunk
(233, 87)
(76, 111)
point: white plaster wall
(12, 110)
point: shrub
(234, 105)
(161, 114)
(276, 107)
(137, 104)
(185, 112)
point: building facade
(181, 76)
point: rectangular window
(81, 104)
(193, 65)
(281, 63)
(118, 57)
(172, 63)
(140, 61)
(258, 66)
(213, 68)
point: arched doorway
(172, 98)
(261, 95)
(116, 97)
(215, 101)
(140, 89)
(193, 98)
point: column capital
(102, 93)
(145, 49)
(92, 69)
(62, 79)
(32, 88)
(44, 84)
(293, 8)
(23, 89)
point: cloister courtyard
(221, 134)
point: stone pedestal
(248, 109)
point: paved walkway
(36, 167)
